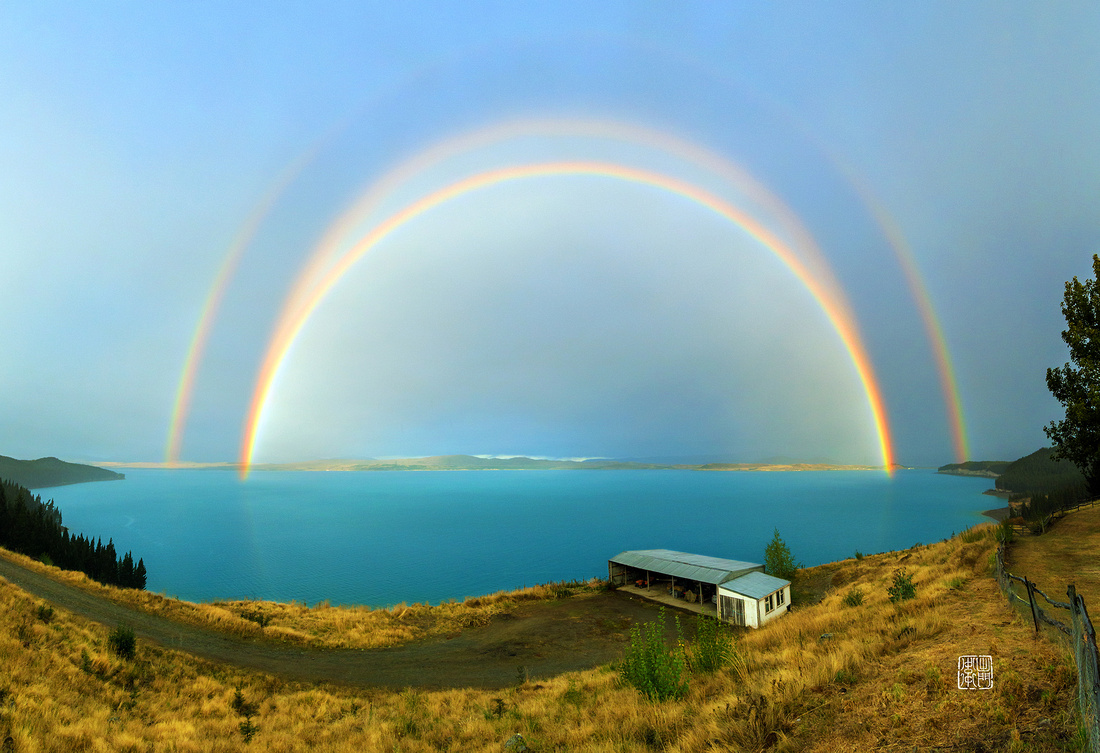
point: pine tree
(139, 575)
(126, 571)
(778, 560)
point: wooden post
(1078, 655)
(1031, 600)
(1090, 671)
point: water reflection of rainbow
(317, 283)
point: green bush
(713, 647)
(650, 666)
(122, 642)
(854, 597)
(778, 560)
(902, 587)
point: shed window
(779, 597)
(769, 604)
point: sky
(746, 231)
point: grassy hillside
(833, 676)
(44, 472)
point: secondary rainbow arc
(310, 295)
(241, 241)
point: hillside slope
(833, 676)
(46, 472)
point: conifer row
(33, 527)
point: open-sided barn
(737, 592)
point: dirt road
(546, 638)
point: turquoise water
(382, 538)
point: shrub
(854, 597)
(261, 619)
(713, 646)
(122, 642)
(650, 666)
(44, 612)
(902, 587)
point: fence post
(1031, 600)
(1092, 684)
(1085, 657)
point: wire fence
(1039, 522)
(1080, 630)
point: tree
(778, 560)
(1076, 385)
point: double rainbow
(330, 259)
(297, 314)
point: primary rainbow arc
(314, 290)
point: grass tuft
(854, 597)
(122, 642)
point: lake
(385, 537)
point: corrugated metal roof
(755, 585)
(713, 570)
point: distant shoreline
(474, 463)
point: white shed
(753, 599)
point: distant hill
(457, 463)
(790, 466)
(44, 472)
(1039, 473)
(475, 463)
(985, 468)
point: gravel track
(545, 638)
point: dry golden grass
(320, 626)
(1066, 554)
(885, 679)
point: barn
(737, 592)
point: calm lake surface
(381, 537)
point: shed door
(733, 609)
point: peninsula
(46, 472)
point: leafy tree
(1076, 385)
(778, 560)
